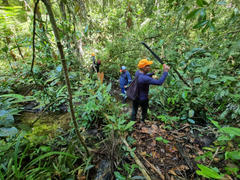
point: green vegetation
(199, 40)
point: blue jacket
(125, 79)
(144, 80)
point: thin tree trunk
(19, 50)
(60, 49)
(43, 35)
(77, 43)
(66, 28)
(34, 33)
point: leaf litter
(172, 152)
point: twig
(141, 166)
(154, 168)
(19, 49)
(216, 152)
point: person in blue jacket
(125, 79)
(144, 80)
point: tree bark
(64, 64)
(43, 35)
(34, 33)
(66, 28)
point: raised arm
(159, 81)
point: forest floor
(164, 150)
(168, 152)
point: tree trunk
(77, 43)
(82, 8)
(66, 27)
(64, 64)
(44, 38)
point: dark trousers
(144, 106)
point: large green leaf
(208, 172)
(6, 119)
(197, 80)
(234, 155)
(231, 130)
(6, 132)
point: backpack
(132, 89)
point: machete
(156, 56)
(160, 60)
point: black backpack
(132, 89)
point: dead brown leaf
(155, 154)
(170, 138)
(154, 129)
(143, 153)
(171, 149)
(171, 171)
(227, 177)
(192, 156)
(183, 167)
(145, 130)
(200, 152)
(153, 144)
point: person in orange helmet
(144, 80)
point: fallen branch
(216, 152)
(154, 168)
(141, 166)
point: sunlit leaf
(231, 130)
(208, 172)
(234, 155)
(197, 80)
(6, 132)
(191, 113)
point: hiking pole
(161, 61)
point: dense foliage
(200, 40)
